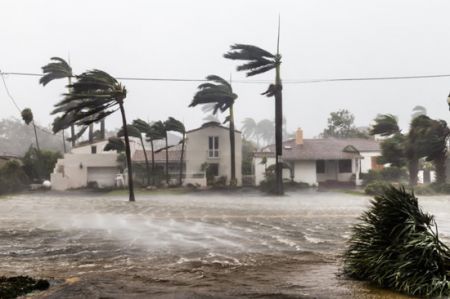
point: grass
(396, 246)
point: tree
(58, 68)
(156, 132)
(385, 125)
(341, 125)
(248, 149)
(144, 128)
(260, 61)
(219, 92)
(27, 116)
(39, 164)
(175, 125)
(94, 96)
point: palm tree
(249, 130)
(175, 125)
(58, 68)
(260, 61)
(94, 96)
(144, 128)
(157, 132)
(265, 130)
(220, 93)
(27, 116)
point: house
(209, 145)
(206, 147)
(88, 163)
(321, 161)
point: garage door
(104, 176)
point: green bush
(396, 246)
(376, 187)
(388, 174)
(12, 178)
(441, 188)
(38, 165)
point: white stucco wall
(366, 162)
(71, 172)
(197, 151)
(305, 171)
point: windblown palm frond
(249, 127)
(260, 61)
(385, 125)
(57, 69)
(157, 131)
(142, 125)
(94, 95)
(132, 131)
(174, 125)
(217, 93)
(115, 144)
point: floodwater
(201, 245)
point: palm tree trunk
(413, 167)
(233, 181)
(128, 154)
(439, 164)
(72, 127)
(278, 133)
(153, 163)
(146, 162)
(91, 133)
(102, 129)
(167, 161)
(36, 136)
(181, 159)
(64, 142)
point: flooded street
(201, 245)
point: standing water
(202, 245)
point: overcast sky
(186, 39)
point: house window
(93, 149)
(213, 147)
(320, 166)
(345, 166)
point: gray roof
(323, 149)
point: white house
(321, 161)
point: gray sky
(186, 39)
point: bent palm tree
(385, 125)
(260, 61)
(220, 93)
(143, 127)
(94, 96)
(175, 125)
(155, 132)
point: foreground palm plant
(94, 96)
(396, 246)
(260, 61)
(220, 93)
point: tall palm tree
(175, 125)
(260, 61)
(265, 130)
(220, 93)
(27, 116)
(249, 129)
(94, 96)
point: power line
(15, 103)
(286, 81)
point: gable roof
(323, 149)
(209, 125)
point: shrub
(396, 246)
(39, 164)
(12, 177)
(389, 174)
(13, 287)
(376, 187)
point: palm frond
(132, 131)
(247, 52)
(385, 125)
(172, 124)
(27, 115)
(115, 144)
(57, 69)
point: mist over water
(201, 245)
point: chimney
(299, 136)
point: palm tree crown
(260, 61)
(57, 69)
(385, 125)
